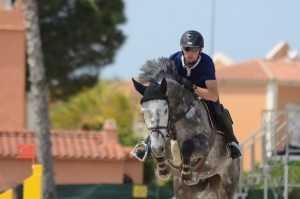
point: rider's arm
(210, 92)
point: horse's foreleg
(162, 170)
(196, 147)
(187, 149)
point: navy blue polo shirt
(202, 71)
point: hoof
(192, 179)
(163, 175)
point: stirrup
(236, 146)
(138, 147)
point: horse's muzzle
(158, 151)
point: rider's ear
(163, 86)
(139, 87)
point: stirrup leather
(140, 146)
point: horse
(183, 138)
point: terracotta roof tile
(284, 70)
(67, 145)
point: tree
(38, 90)
(89, 109)
(78, 38)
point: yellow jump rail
(32, 186)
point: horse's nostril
(161, 148)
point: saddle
(214, 120)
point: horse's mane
(156, 69)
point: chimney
(110, 132)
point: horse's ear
(163, 86)
(139, 87)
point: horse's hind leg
(183, 191)
(221, 188)
(215, 187)
(228, 181)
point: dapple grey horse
(183, 138)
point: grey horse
(183, 137)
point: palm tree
(39, 92)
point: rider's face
(191, 54)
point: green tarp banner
(105, 192)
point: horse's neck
(180, 107)
(180, 99)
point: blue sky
(243, 30)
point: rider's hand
(185, 83)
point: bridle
(159, 128)
(170, 129)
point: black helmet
(192, 38)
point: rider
(197, 73)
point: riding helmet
(191, 38)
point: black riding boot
(232, 142)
